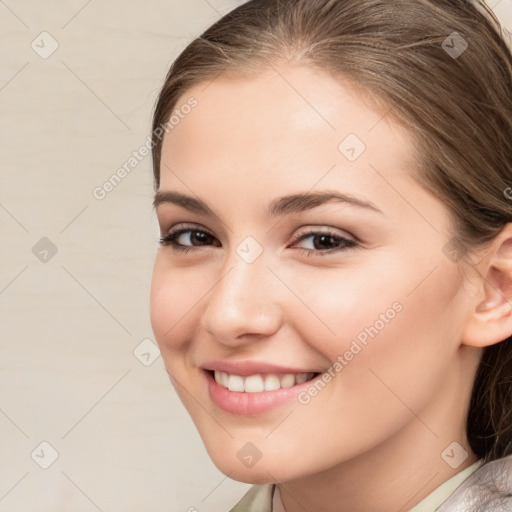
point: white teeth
(288, 380)
(258, 383)
(224, 377)
(272, 382)
(254, 384)
(235, 383)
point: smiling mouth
(259, 383)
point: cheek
(175, 293)
(405, 326)
(414, 294)
(340, 305)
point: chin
(262, 472)
(251, 472)
(249, 477)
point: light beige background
(71, 321)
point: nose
(243, 305)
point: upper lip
(246, 368)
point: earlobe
(491, 320)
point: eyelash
(170, 240)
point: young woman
(333, 292)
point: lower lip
(249, 404)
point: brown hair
(455, 100)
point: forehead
(285, 129)
(289, 99)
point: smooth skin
(372, 439)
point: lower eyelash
(313, 252)
(169, 240)
(180, 248)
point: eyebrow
(281, 206)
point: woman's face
(358, 293)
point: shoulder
(488, 489)
(257, 499)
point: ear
(490, 321)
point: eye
(325, 240)
(179, 238)
(186, 239)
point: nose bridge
(244, 267)
(242, 300)
(240, 288)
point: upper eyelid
(308, 231)
(192, 227)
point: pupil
(201, 237)
(324, 238)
